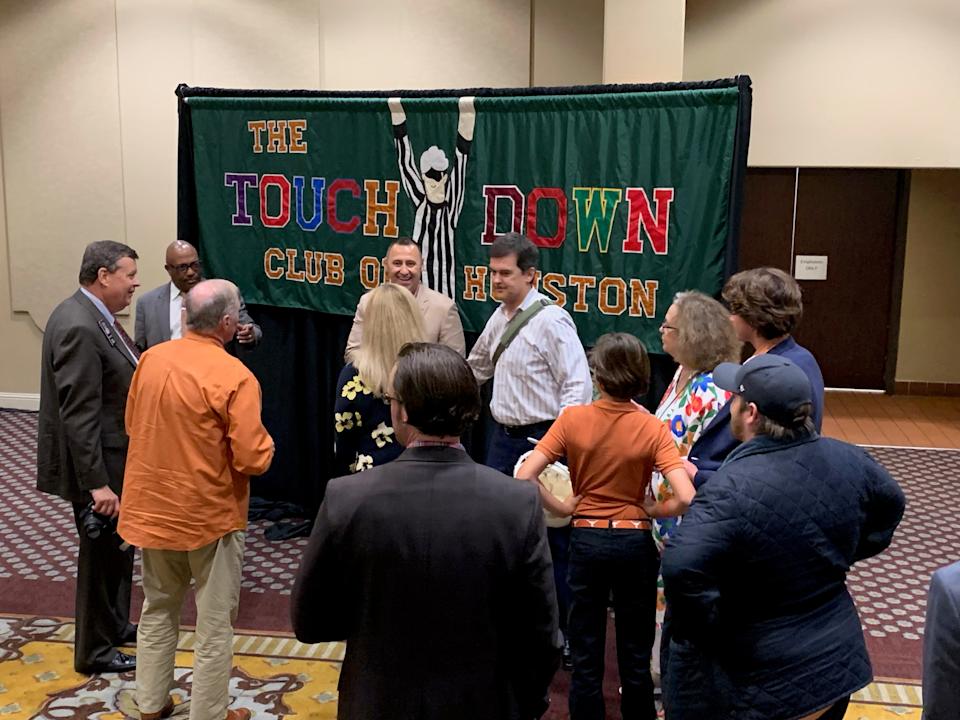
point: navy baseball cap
(771, 382)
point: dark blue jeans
(502, 455)
(624, 563)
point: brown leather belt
(612, 524)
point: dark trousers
(104, 577)
(502, 454)
(624, 563)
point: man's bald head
(183, 265)
(212, 309)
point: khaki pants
(216, 569)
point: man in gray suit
(86, 367)
(158, 311)
(434, 569)
(941, 646)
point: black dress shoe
(121, 663)
(129, 636)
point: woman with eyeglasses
(364, 430)
(697, 334)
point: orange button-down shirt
(193, 417)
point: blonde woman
(364, 435)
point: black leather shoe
(121, 663)
(130, 636)
(566, 657)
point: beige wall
(837, 83)
(567, 42)
(930, 313)
(643, 41)
(88, 117)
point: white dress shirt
(176, 305)
(542, 371)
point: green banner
(626, 193)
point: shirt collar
(435, 443)
(174, 292)
(98, 303)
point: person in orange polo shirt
(193, 416)
(612, 446)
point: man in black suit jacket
(435, 570)
(86, 367)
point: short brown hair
(102, 254)
(620, 365)
(437, 389)
(512, 243)
(705, 337)
(768, 300)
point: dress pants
(104, 577)
(216, 569)
(624, 563)
(502, 455)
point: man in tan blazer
(441, 319)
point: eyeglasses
(183, 267)
(390, 398)
(664, 326)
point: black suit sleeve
(537, 635)
(78, 376)
(320, 600)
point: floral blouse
(686, 411)
(364, 435)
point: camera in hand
(94, 524)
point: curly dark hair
(768, 300)
(437, 389)
(620, 365)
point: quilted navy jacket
(763, 626)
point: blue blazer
(717, 440)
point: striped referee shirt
(434, 224)
(543, 370)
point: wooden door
(852, 216)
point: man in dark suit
(434, 569)
(158, 311)
(88, 361)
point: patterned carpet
(37, 568)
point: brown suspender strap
(516, 325)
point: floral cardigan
(364, 436)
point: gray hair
(205, 308)
(102, 254)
